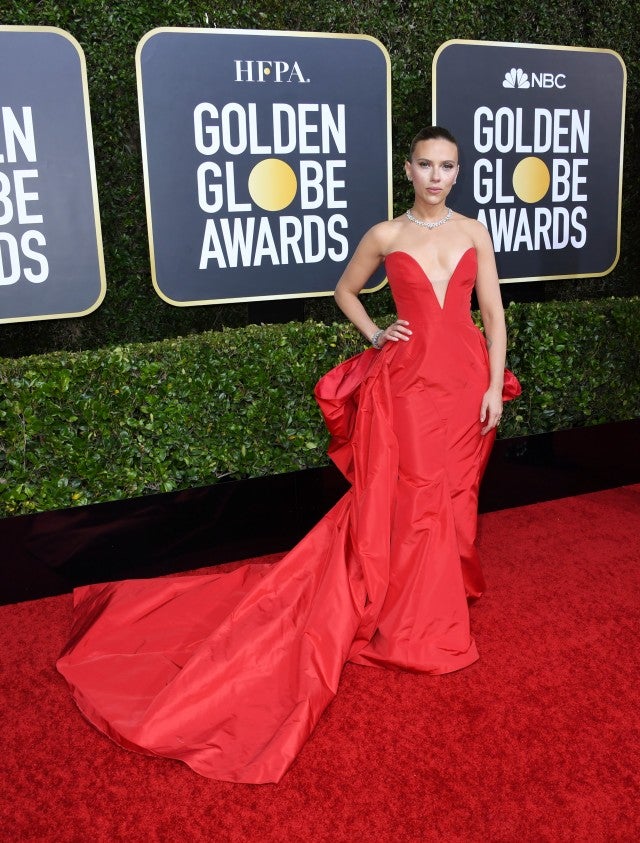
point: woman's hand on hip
(398, 330)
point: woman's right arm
(366, 259)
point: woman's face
(433, 169)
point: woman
(229, 672)
(446, 402)
(421, 232)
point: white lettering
(232, 205)
(40, 259)
(265, 244)
(22, 197)
(6, 214)
(239, 242)
(244, 67)
(251, 241)
(334, 184)
(543, 221)
(23, 133)
(576, 215)
(311, 128)
(205, 188)
(313, 236)
(306, 128)
(234, 128)
(311, 190)
(212, 145)
(255, 146)
(211, 247)
(290, 241)
(280, 110)
(560, 131)
(10, 273)
(482, 184)
(482, 130)
(535, 228)
(560, 228)
(335, 221)
(567, 178)
(19, 204)
(523, 234)
(333, 128)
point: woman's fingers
(491, 413)
(398, 330)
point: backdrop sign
(51, 262)
(267, 157)
(541, 134)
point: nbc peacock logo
(516, 78)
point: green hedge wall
(84, 427)
(411, 30)
(150, 413)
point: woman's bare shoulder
(475, 230)
(380, 236)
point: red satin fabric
(230, 672)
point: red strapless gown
(230, 672)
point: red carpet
(538, 741)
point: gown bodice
(415, 296)
(447, 352)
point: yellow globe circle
(272, 184)
(531, 179)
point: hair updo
(431, 133)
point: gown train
(230, 672)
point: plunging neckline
(429, 281)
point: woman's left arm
(492, 312)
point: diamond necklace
(429, 224)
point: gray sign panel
(51, 262)
(267, 157)
(541, 131)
